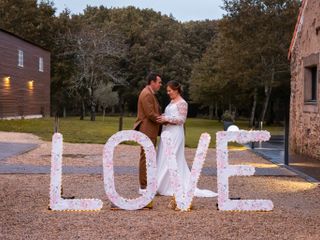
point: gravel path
(25, 197)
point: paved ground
(31, 169)
(8, 149)
(307, 165)
(273, 151)
(13, 149)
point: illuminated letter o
(108, 171)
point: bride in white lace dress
(173, 121)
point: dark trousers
(143, 166)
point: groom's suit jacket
(148, 111)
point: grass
(86, 131)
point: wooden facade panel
(28, 90)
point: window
(314, 84)
(20, 58)
(311, 77)
(40, 64)
(311, 66)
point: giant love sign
(183, 197)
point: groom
(148, 111)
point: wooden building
(304, 55)
(24, 78)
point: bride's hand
(161, 119)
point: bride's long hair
(175, 85)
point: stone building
(304, 55)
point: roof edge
(12, 34)
(297, 27)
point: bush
(227, 117)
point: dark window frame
(311, 85)
(311, 79)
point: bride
(173, 120)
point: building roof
(298, 26)
(12, 34)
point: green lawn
(86, 131)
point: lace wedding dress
(175, 114)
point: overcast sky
(182, 10)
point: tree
(106, 97)
(205, 86)
(30, 20)
(261, 31)
(62, 66)
(250, 52)
(97, 54)
(199, 35)
(155, 42)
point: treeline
(246, 66)
(100, 58)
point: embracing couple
(151, 122)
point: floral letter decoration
(183, 196)
(56, 202)
(108, 173)
(224, 171)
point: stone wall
(304, 117)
